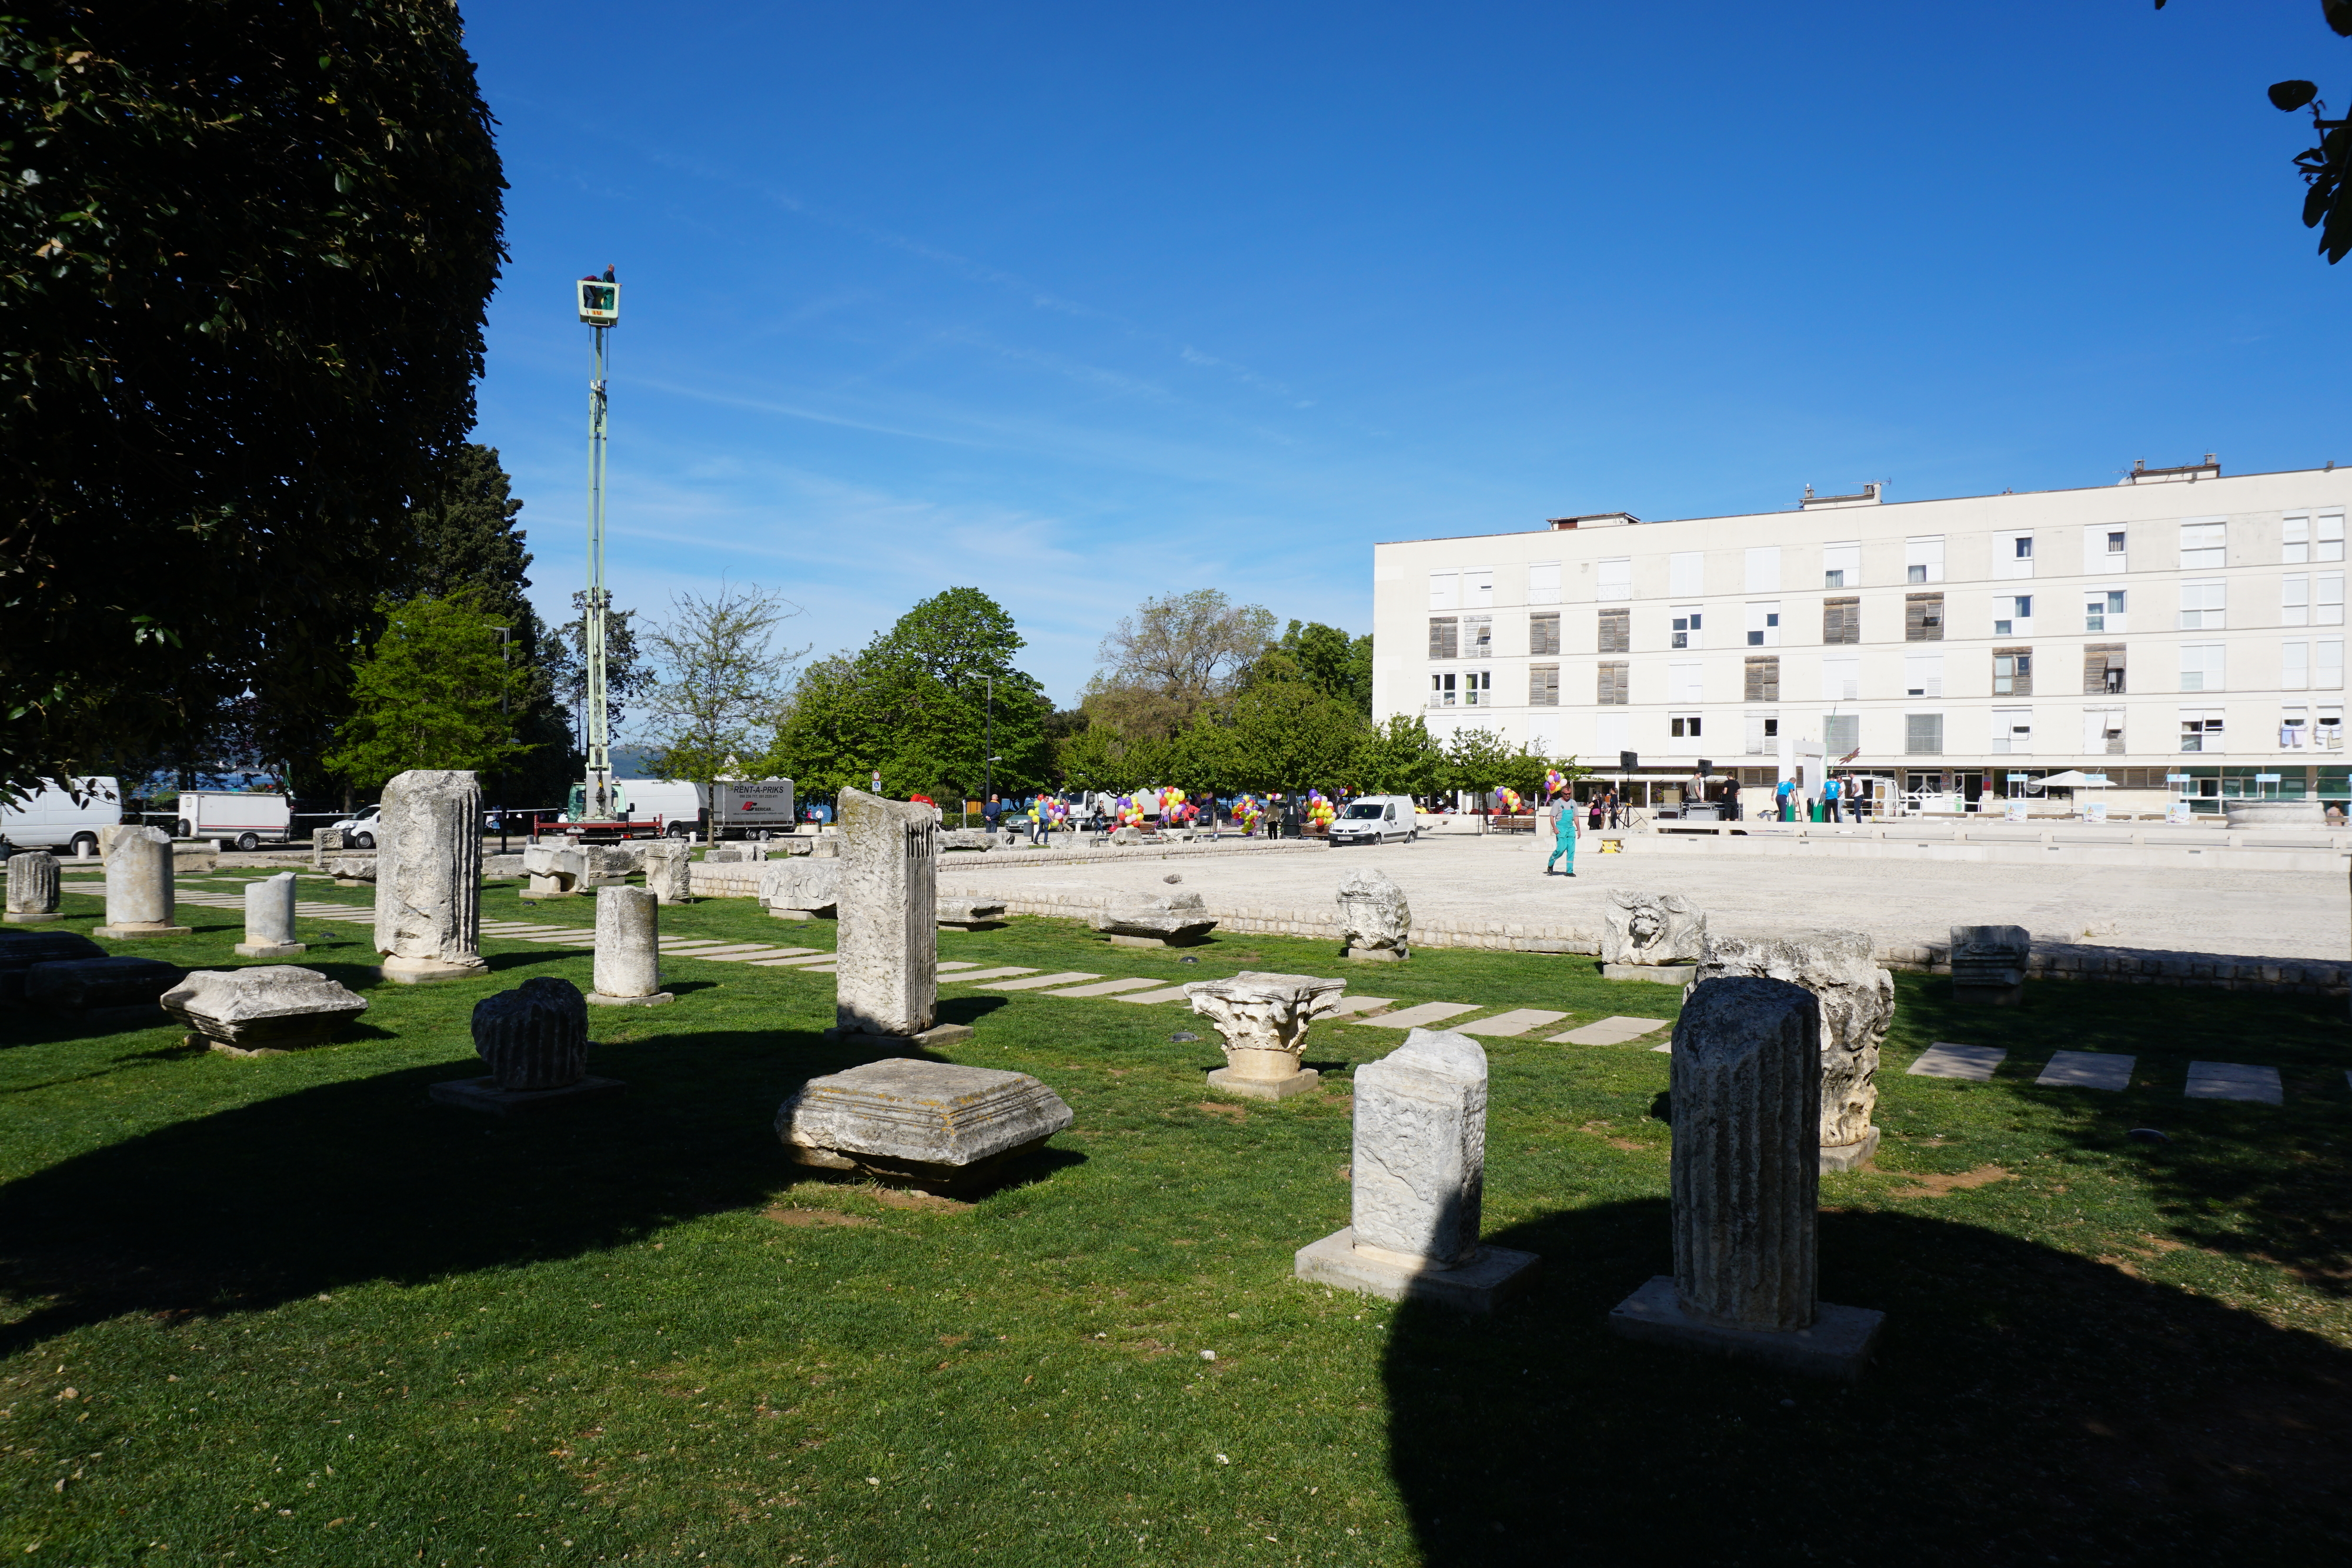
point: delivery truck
(236, 817)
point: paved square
(1945, 1059)
(2088, 1069)
(2235, 1080)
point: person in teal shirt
(1563, 830)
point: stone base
(802, 914)
(1966, 995)
(132, 932)
(1848, 1156)
(1663, 974)
(528, 896)
(271, 950)
(484, 1094)
(1481, 1285)
(599, 1000)
(1305, 1081)
(1121, 939)
(1837, 1346)
(938, 1034)
(1376, 954)
(30, 919)
(424, 971)
(246, 1052)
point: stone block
(554, 870)
(1856, 999)
(629, 955)
(139, 900)
(888, 953)
(1228, 1081)
(269, 919)
(428, 889)
(262, 1011)
(33, 888)
(1836, 1344)
(85, 987)
(969, 913)
(534, 1037)
(1178, 920)
(1656, 974)
(1491, 1278)
(19, 953)
(666, 861)
(1643, 930)
(925, 1124)
(1375, 920)
(800, 889)
(353, 871)
(1989, 965)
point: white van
(1376, 820)
(61, 819)
(231, 816)
(358, 832)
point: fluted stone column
(33, 887)
(666, 873)
(535, 1036)
(1745, 1108)
(139, 897)
(889, 940)
(269, 919)
(629, 955)
(429, 877)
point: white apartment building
(2178, 625)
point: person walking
(1599, 805)
(1564, 833)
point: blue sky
(1079, 304)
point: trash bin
(1817, 811)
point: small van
(61, 818)
(245, 818)
(1376, 820)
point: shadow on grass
(367, 1180)
(2027, 1405)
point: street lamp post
(988, 742)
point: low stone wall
(2136, 967)
(728, 879)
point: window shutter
(1764, 679)
(1923, 734)
(2103, 668)
(1543, 634)
(1444, 637)
(1923, 617)
(1613, 685)
(1543, 685)
(1841, 621)
(2020, 671)
(1616, 631)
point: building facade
(2180, 633)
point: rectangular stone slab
(929, 1113)
(2088, 1069)
(1361, 1005)
(1620, 1030)
(1103, 988)
(800, 963)
(1488, 1279)
(1838, 1344)
(998, 974)
(1036, 982)
(745, 954)
(958, 963)
(2234, 1081)
(1422, 1017)
(1517, 1021)
(1168, 994)
(1945, 1059)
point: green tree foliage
(1338, 665)
(247, 249)
(915, 706)
(1479, 760)
(428, 695)
(1400, 758)
(718, 683)
(1099, 758)
(1173, 657)
(1281, 734)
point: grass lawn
(287, 1310)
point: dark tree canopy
(244, 254)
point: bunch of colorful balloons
(1319, 810)
(1509, 800)
(1058, 812)
(1554, 781)
(1247, 812)
(1129, 812)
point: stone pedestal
(119, 991)
(269, 919)
(1139, 920)
(1989, 965)
(969, 913)
(931, 1125)
(353, 871)
(33, 887)
(1656, 974)
(1418, 1182)
(1264, 1019)
(628, 958)
(324, 843)
(534, 1040)
(887, 981)
(1746, 1184)
(1643, 932)
(1856, 999)
(429, 879)
(1374, 917)
(801, 889)
(138, 896)
(19, 951)
(666, 873)
(553, 871)
(264, 1011)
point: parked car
(1376, 820)
(246, 819)
(359, 832)
(54, 817)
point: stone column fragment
(269, 919)
(1374, 917)
(1989, 964)
(139, 901)
(1651, 936)
(429, 877)
(535, 1036)
(1264, 1019)
(33, 887)
(628, 957)
(1857, 1002)
(887, 983)
(666, 873)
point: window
(1445, 590)
(2327, 599)
(2103, 669)
(1923, 674)
(2327, 729)
(1763, 679)
(1683, 726)
(1613, 686)
(2294, 728)
(2327, 537)
(1842, 679)
(2012, 554)
(1543, 685)
(2327, 664)
(2202, 546)
(1841, 620)
(2295, 538)
(1613, 580)
(2201, 606)
(1478, 688)
(1478, 587)
(1923, 559)
(1477, 636)
(1616, 631)
(1543, 633)
(1682, 683)
(1764, 569)
(2103, 731)
(2012, 615)
(2201, 666)
(2301, 729)
(2012, 672)
(2295, 666)
(1764, 625)
(1444, 688)
(1686, 573)
(2012, 731)
(1841, 733)
(2103, 611)
(2103, 551)
(1685, 627)
(2294, 601)
(2201, 729)
(1841, 565)
(1923, 618)
(1923, 734)
(1444, 637)
(1762, 734)
(1543, 582)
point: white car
(1376, 820)
(358, 832)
